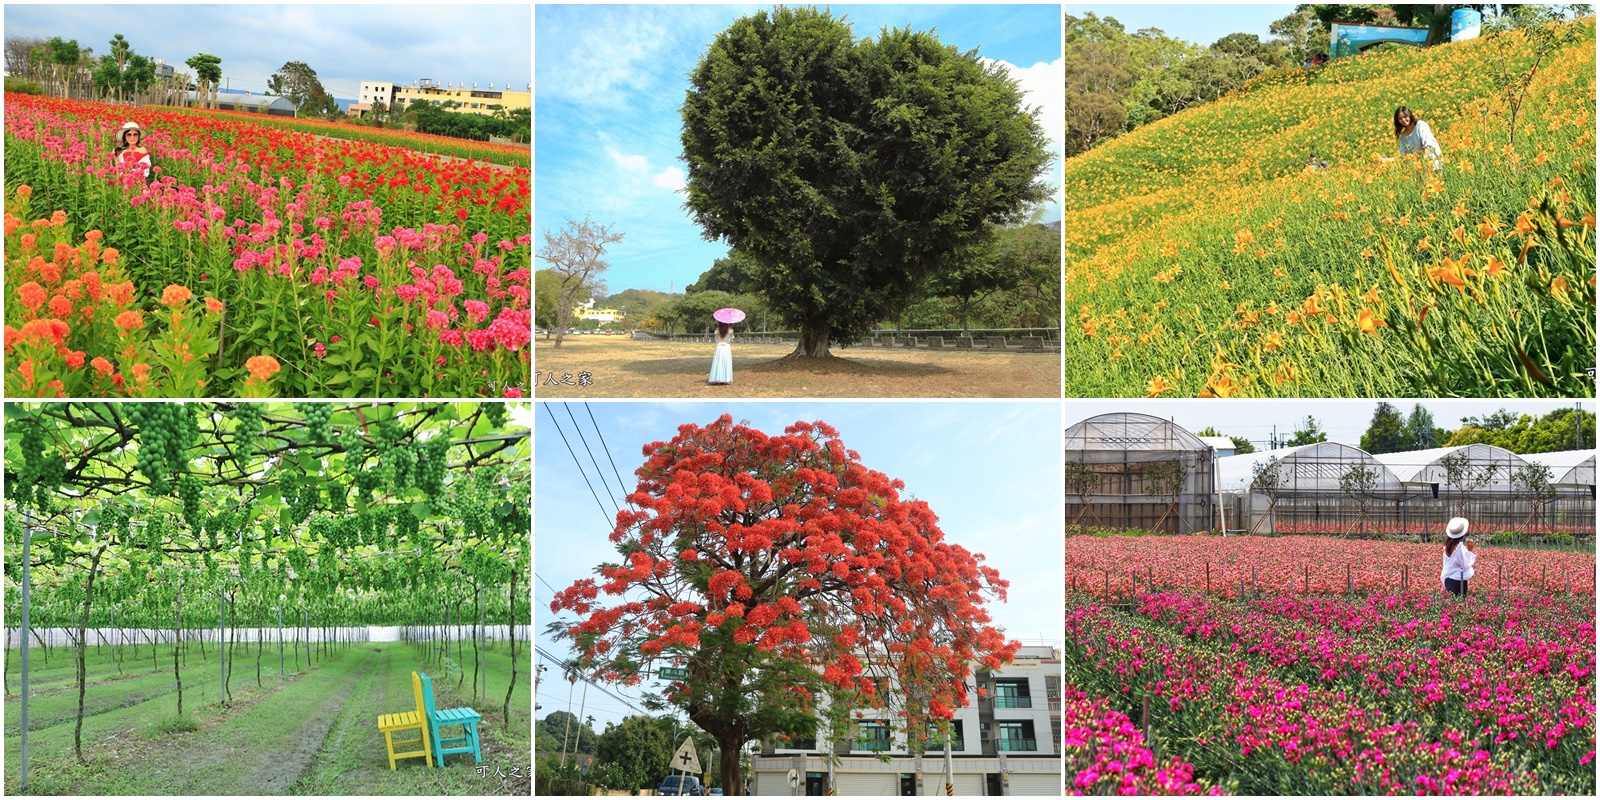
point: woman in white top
(1414, 136)
(722, 361)
(1459, 556)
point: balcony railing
(1016, 745)
(1013, 701)
(955, 744)
(874, 745)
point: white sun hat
(1457, 527)
(129, 126)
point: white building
(1222, 444)
(377, 92)
(1005, 743)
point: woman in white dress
(1459, 557)
(722, 361)
(1415, 137)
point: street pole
(949, 765)
(222, 662)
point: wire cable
(575, 460)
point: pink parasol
(732, 316)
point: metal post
(280, 642)
(222, 662)
(27, 540)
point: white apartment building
(377, 92)
(1005, 743)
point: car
(679, 786)
(715, 791)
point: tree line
(1391, 431)
(62, 68)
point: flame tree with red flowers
(795, 584)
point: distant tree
(1309, 432)
(120, 50)
(298, 83)
(1419, 432)
(1385, 434)
(736, 273)
(1301, 35)
(207, 72)
(1465, 477)
(576, 254)
(1267, 478)
(633, 755)
(879, 185)
(1165, 479)
(138, 75)
(64, 55)
(1561, 429)
(1098, 75)
(546, 299)
(1359, 482)
(580, 737)
(1530, 483)
(1082, 480)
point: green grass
(311, 733)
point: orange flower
(1494, 267)
(24, 191)
(1524, 224)
(60, 306)
(213, 305)
(110, 256)
(129, 321)
(262, 367)
(1157, 386)
(1368, 322)
(74, 359)
(1274, 341)
(102, 366)
(175, 295)
(1559, 287)
(31, 294)
(141, 373)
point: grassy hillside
(1203, 258)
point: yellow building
(474, 99)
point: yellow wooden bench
(390, 724)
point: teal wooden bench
(438, 718)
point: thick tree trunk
(813, 342)
(83, 641)
(728, 764)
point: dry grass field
(618, 366)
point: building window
(874, 736)
(1016, 736)
(1012, 693)
(957, 739)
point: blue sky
(345, 44)
(1201, 23)
(990, 470)
(611, 80)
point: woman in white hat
(131, 150)
(1458, 560)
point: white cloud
(671, 178)
(1043, 87)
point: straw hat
(1457, 528)
(129, 126)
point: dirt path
(283, 769)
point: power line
(599, 473)
(601, 689)
(607, 449)
(575, 460)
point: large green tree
(633, 755)
(1561, 429)
(207, 70)
(1386, 432)
(851, 170)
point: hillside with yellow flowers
(1204, 258)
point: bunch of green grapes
(496, 412)
(193, 512)
(318, 417)
(166, 432)
(41, 473)
(337, 493)
(431, 464)
(247, 426)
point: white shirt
(1420, 140)
(1458, 565)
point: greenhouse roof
(1127, 431)
(1567, 466)
(1422, 466)
(1309, 468)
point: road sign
(794, 779)
(685, 759)
(673, 673)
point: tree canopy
(777, 569)
(848, 170)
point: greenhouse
(334, 595)
(1128, 471)
(1315, 488)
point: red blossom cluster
(789, 545)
